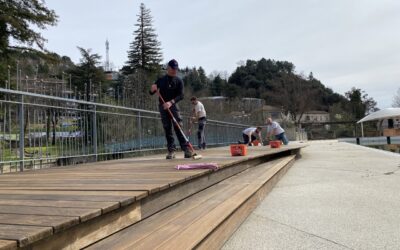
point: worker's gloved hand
(167, 105)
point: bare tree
(295, 96)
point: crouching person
(273, 128)
(250, 135)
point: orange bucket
(238, 150)
(256, 143)
(275, 144)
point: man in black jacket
(171, 89)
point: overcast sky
(345, 43)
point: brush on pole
(176, 123)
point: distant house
(388, 121)
(315, 116)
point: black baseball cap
(173, 64)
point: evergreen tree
(145, 52)
(359, 103)
(17, 18)
(20, 21)
(88, 75)
(203, 77)
(195, 78)
(217, 86)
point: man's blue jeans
(282, 137)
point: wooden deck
(77, 205)
(204, 220)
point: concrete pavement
(337, 196)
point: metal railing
(372, 141)
(38, 130)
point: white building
(315, 116)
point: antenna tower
(107, 66)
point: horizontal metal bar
(91, 103)
(16, 92)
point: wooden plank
(104, 206)
(58, 223)
(84, 234)
(71, 192)
(83, 213)
(91, 187)
(217, 238)
(154, 203)
(183, 235)
(8, 245)
(24, 235)
(146, 173)
(78, 181)
(194, 233)
(148, 233)
(77, 197)
(155, 236)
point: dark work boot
(170, 155)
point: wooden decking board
(83, 213)
(23, 234)
(143, 175)
(218, 237)
(161, 234)
(145, 231)
(152, 229)
(194, 216)
(8, 244)
(200, 228)
(91, 231)
(66, 197)
(189, 238)
(152, 203)
(227, 228)
(82, 181)
(130, 235)
(89, 187)
(71, 192)
(58, 223)
(106, 173)
(94, 190)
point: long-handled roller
(188, 144)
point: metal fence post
(140, 130)
(21, 133)
(94, 126)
